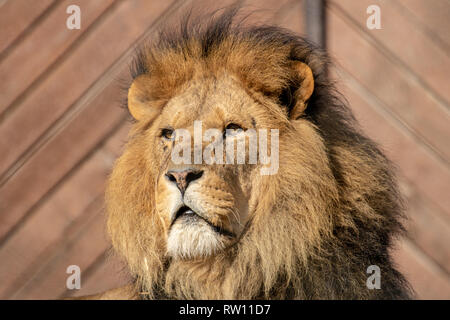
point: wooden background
(61, 126)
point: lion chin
(192, 237)
(220, 230)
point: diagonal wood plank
(52, 38)
(81, 249)
(58, 157)
(428, 282)
(421, 57)
(108, 274)
(403, 96)
(43, 233)
(426, 226)
(18, 15)
(290, 16)
(433, 17)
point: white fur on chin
(193, 239)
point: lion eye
(168, 133)
(232, 129)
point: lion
(225, 231)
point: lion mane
(332, 210)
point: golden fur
(308, 232)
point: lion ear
(139, 103)
(304, 92)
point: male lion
(226, 231)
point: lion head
(309, 228)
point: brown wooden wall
(61, 126)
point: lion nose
(183, 178)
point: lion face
(208, 136)
(204, 206)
